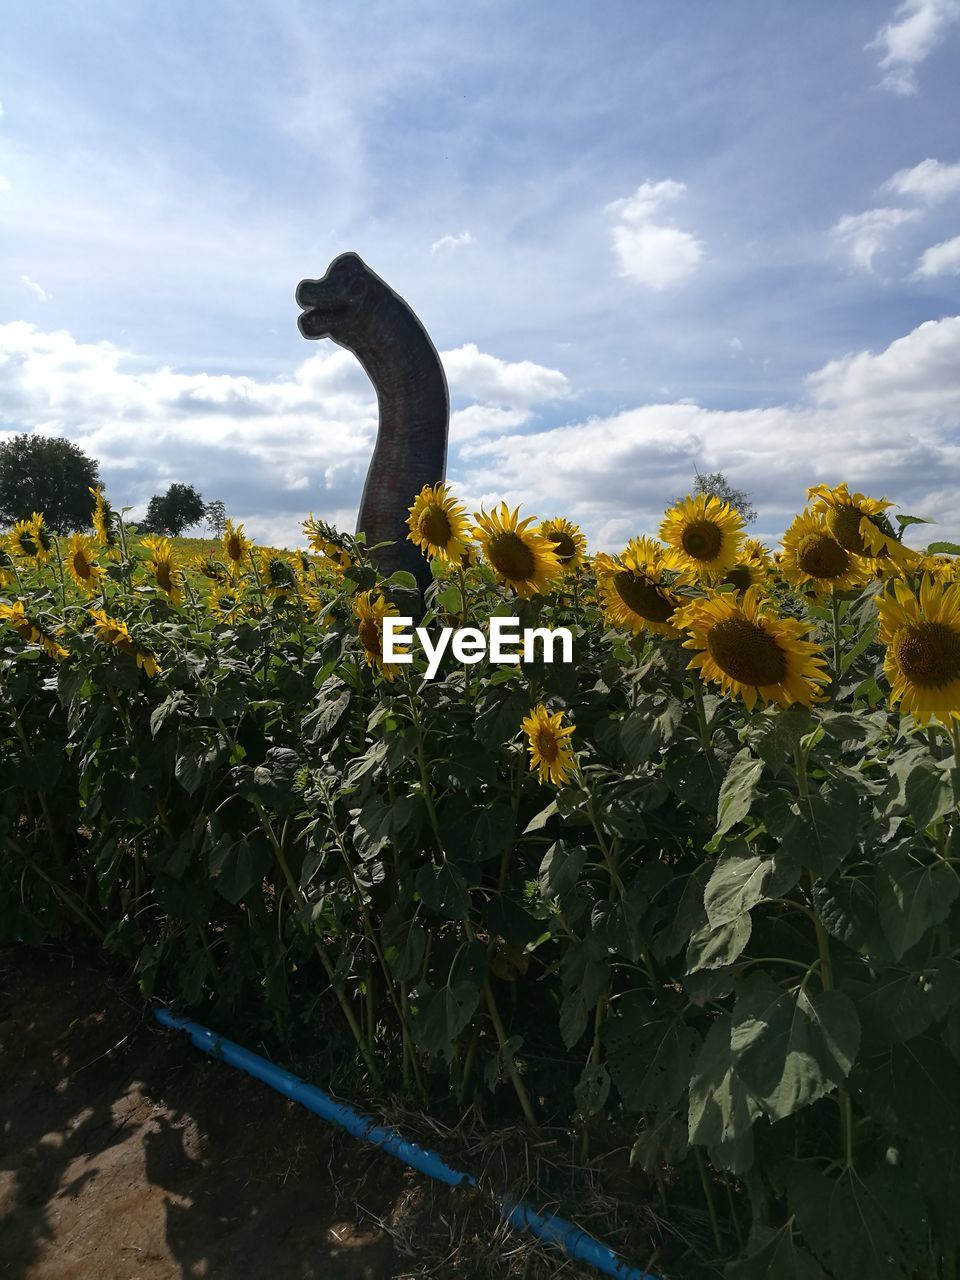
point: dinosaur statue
(358, 311)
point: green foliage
(47, 474)
(730, 940)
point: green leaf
(560, 870)
(693, 778)
(742, 879)
(944, 549)
(592, 1089)
(712, 947)
(333, 700)
(198, 761)
(818, 830)
(860, 1227)
(442, 1015)
(892, 1006)
(848, 910)
(721, 1109)
(237, 867)
(175, 707)
(775, 1255)
(40, 770)
(928, 793)
(640, 737)
(574, 1016)
(481, 833)
(905, 521)
(863, 642)
(791, 1049)
(650, 1059)
(404, 947)
(538, 822)
(444, 890)
(499, 716)
(775, 733)
(912, 898)
(738, 790)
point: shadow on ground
(125, 1156)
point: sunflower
(568, 542)
(323, 539)
(113, 632)
(22, 540)
(549, 745)
(82, 563)
(705, 535)
(520, 557)
(859, 523)
(104, 519)
(812, 557)
(943, 568)
(438, 523)
(754, 549)
(922, 635)
(43, 536)
(165, 572)
(226, 603)
(746, 573)
(210, 568)
(746, 648)
(31, 632)
(370, 614)
(633, 591)
(236, 546)
(277, 574)
(7, 573)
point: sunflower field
(698, 887)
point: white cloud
(35, 289)
(276, 448)
(452, 242)
(916, 379)
(941, 259)
(477, 420)
(4, 183)
(886, 422)
(517, 384)
(272, 448)
(917, 29)
(735, 344)
(930, 181)
(652, 253)
(867, 234)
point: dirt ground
(126, 1155)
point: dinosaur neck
(411, 448)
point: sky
(648, 240)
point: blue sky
(647, 238)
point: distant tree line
(54, 476)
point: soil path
(124, 1155)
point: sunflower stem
(701, 715)
(835, 611)
(826, 969)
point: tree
(46, 474)
(173, 511)
(215, 513)
(716, 485)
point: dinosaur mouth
(318, 322)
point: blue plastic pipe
(552, 1230)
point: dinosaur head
(332, 305)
